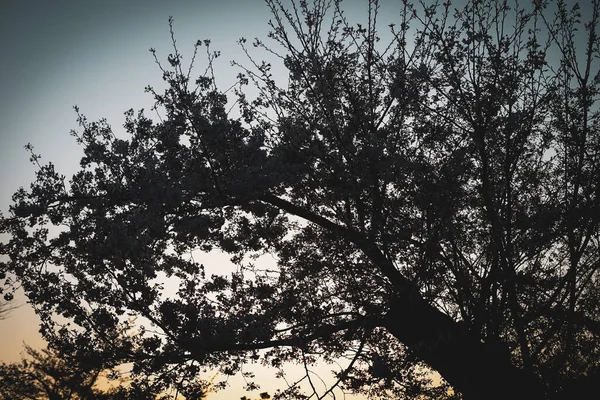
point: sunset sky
(94, 54)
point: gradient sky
(94, 54)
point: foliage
(430, 203)
(43, 374)
(263, 396)
(53, 375)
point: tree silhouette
(44, 374)
(6, 308)
(430, 203)
(263, 396)
(48, 374)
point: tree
(431, 203)
(48, 374)
(44, 374)
(6, 308)
(263, 396)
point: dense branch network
(426, 203)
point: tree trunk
(477, 370)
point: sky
(95, 54)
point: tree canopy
(46, 374)
(428, 194)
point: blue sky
(94, 54)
